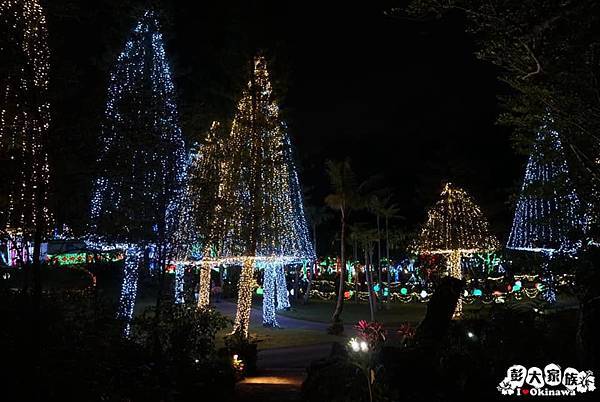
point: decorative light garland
(548, 210)
(135, 197)
(455, 226)
(258, 215)
(24, 123)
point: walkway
(281, 371)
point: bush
(74, 350)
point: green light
(260, 291)
(404, 291)
(477, 292)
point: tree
(367, 238)
(455, 226)
(548, 216)
(258, 217)
(389, 211)
(343, 199)
(316, 217)
(142, 157)
(195, 213)
(24, 123)
(548, 54)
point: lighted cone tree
(455, 227)
(195, 214)
(142, 158)
(548, 217)
(259, 217)
(24, 123)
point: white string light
(24, 122)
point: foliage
(74, 350)
(548, 52)
(245, 347)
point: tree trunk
(369, 286)
(314, 268)
(340, 297)
(379, 276)
(387, 257)
(296, 279)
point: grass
(321, 311)
(270, 338)
(398, 313)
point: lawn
(269, 338)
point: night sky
(406, 100)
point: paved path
(281, 371)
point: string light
(142, 158)
(548, 209)
(283, 299)
(548, 215)
(455, 226)
(129, 287)
(179, 283)
(269, 299)
(24, 123)
(258, 216)
(204, 287)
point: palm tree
(354, 239)
(316, 216)
(388, 212)
(343, 199)
(367, 238)
(376, 205)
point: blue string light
(142, 158)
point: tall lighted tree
(259, 217)
(196, 209)
(24, 123)
(142, 158)
(455, 227)
(548, 217)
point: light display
(548, 217)
(548, 212)
(283, 299)
(179, 283)
(269, 295)
(455, 226)
(129, 287)
(196, 207)
(24, 123)
(142, 158)
(259, 216)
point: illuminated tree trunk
(455, 271)
(129, 287)
(179, 283)
(269, 285)
(204, 286)
(283, 299)
(242, 317)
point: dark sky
(403, 99)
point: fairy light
(24, 122)
(179, 283)
(258, 216)
(199, 196)
(548, 210)
(142, 159)
(283, 299)
(204, 287)
(455, 226)
(129, 287)
(269, 299)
